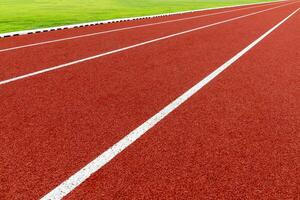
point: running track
(66, 101)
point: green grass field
(18, 15)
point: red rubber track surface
(44, 56)
(236, 138)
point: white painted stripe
(128, 47)
(10, 34)
(125, 28)
(75, 180)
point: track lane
(237, 138)
(28, 39)
(53, 109)
(42, 57)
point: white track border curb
(17, 33)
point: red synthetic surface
(235, 139)
(44, 56)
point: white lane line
(128, 47)
(24, 32)
(123, 29)
(75, 180)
